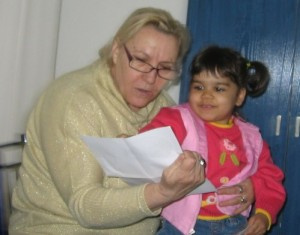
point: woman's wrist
(155, 197)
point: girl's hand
(244, 195)
(177, 180)
(257, 225)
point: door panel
(267, 31)
(292, 163)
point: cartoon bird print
(228, 149)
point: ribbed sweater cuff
(261, 211)
(143, 205)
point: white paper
(141, 158)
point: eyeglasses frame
(131, 58)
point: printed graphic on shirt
(228, 151)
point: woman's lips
(144, 92)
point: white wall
(87, 25)
(28, 41)
(40, 40)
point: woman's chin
(141, 103)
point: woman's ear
(241, 97)
(115, 50)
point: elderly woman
(62, 189)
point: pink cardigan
(183, 213)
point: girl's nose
(207, 94)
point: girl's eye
(220, 89)
(198, 88)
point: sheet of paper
(140, 158)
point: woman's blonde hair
(158, 18)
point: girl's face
(213, 98)
(148, 45)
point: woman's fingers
(244, 195)
(183, 175)
(231, 190)
(257, 225)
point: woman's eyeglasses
(165, 70)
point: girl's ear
(115, 50)
(241, 97)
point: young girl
(233, 149)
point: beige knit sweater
(62, 188)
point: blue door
(268, 31)
(291, 212)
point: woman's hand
(177, 180)
(244, 195)
(123, 136)
(257, 225)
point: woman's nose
(151, 76)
